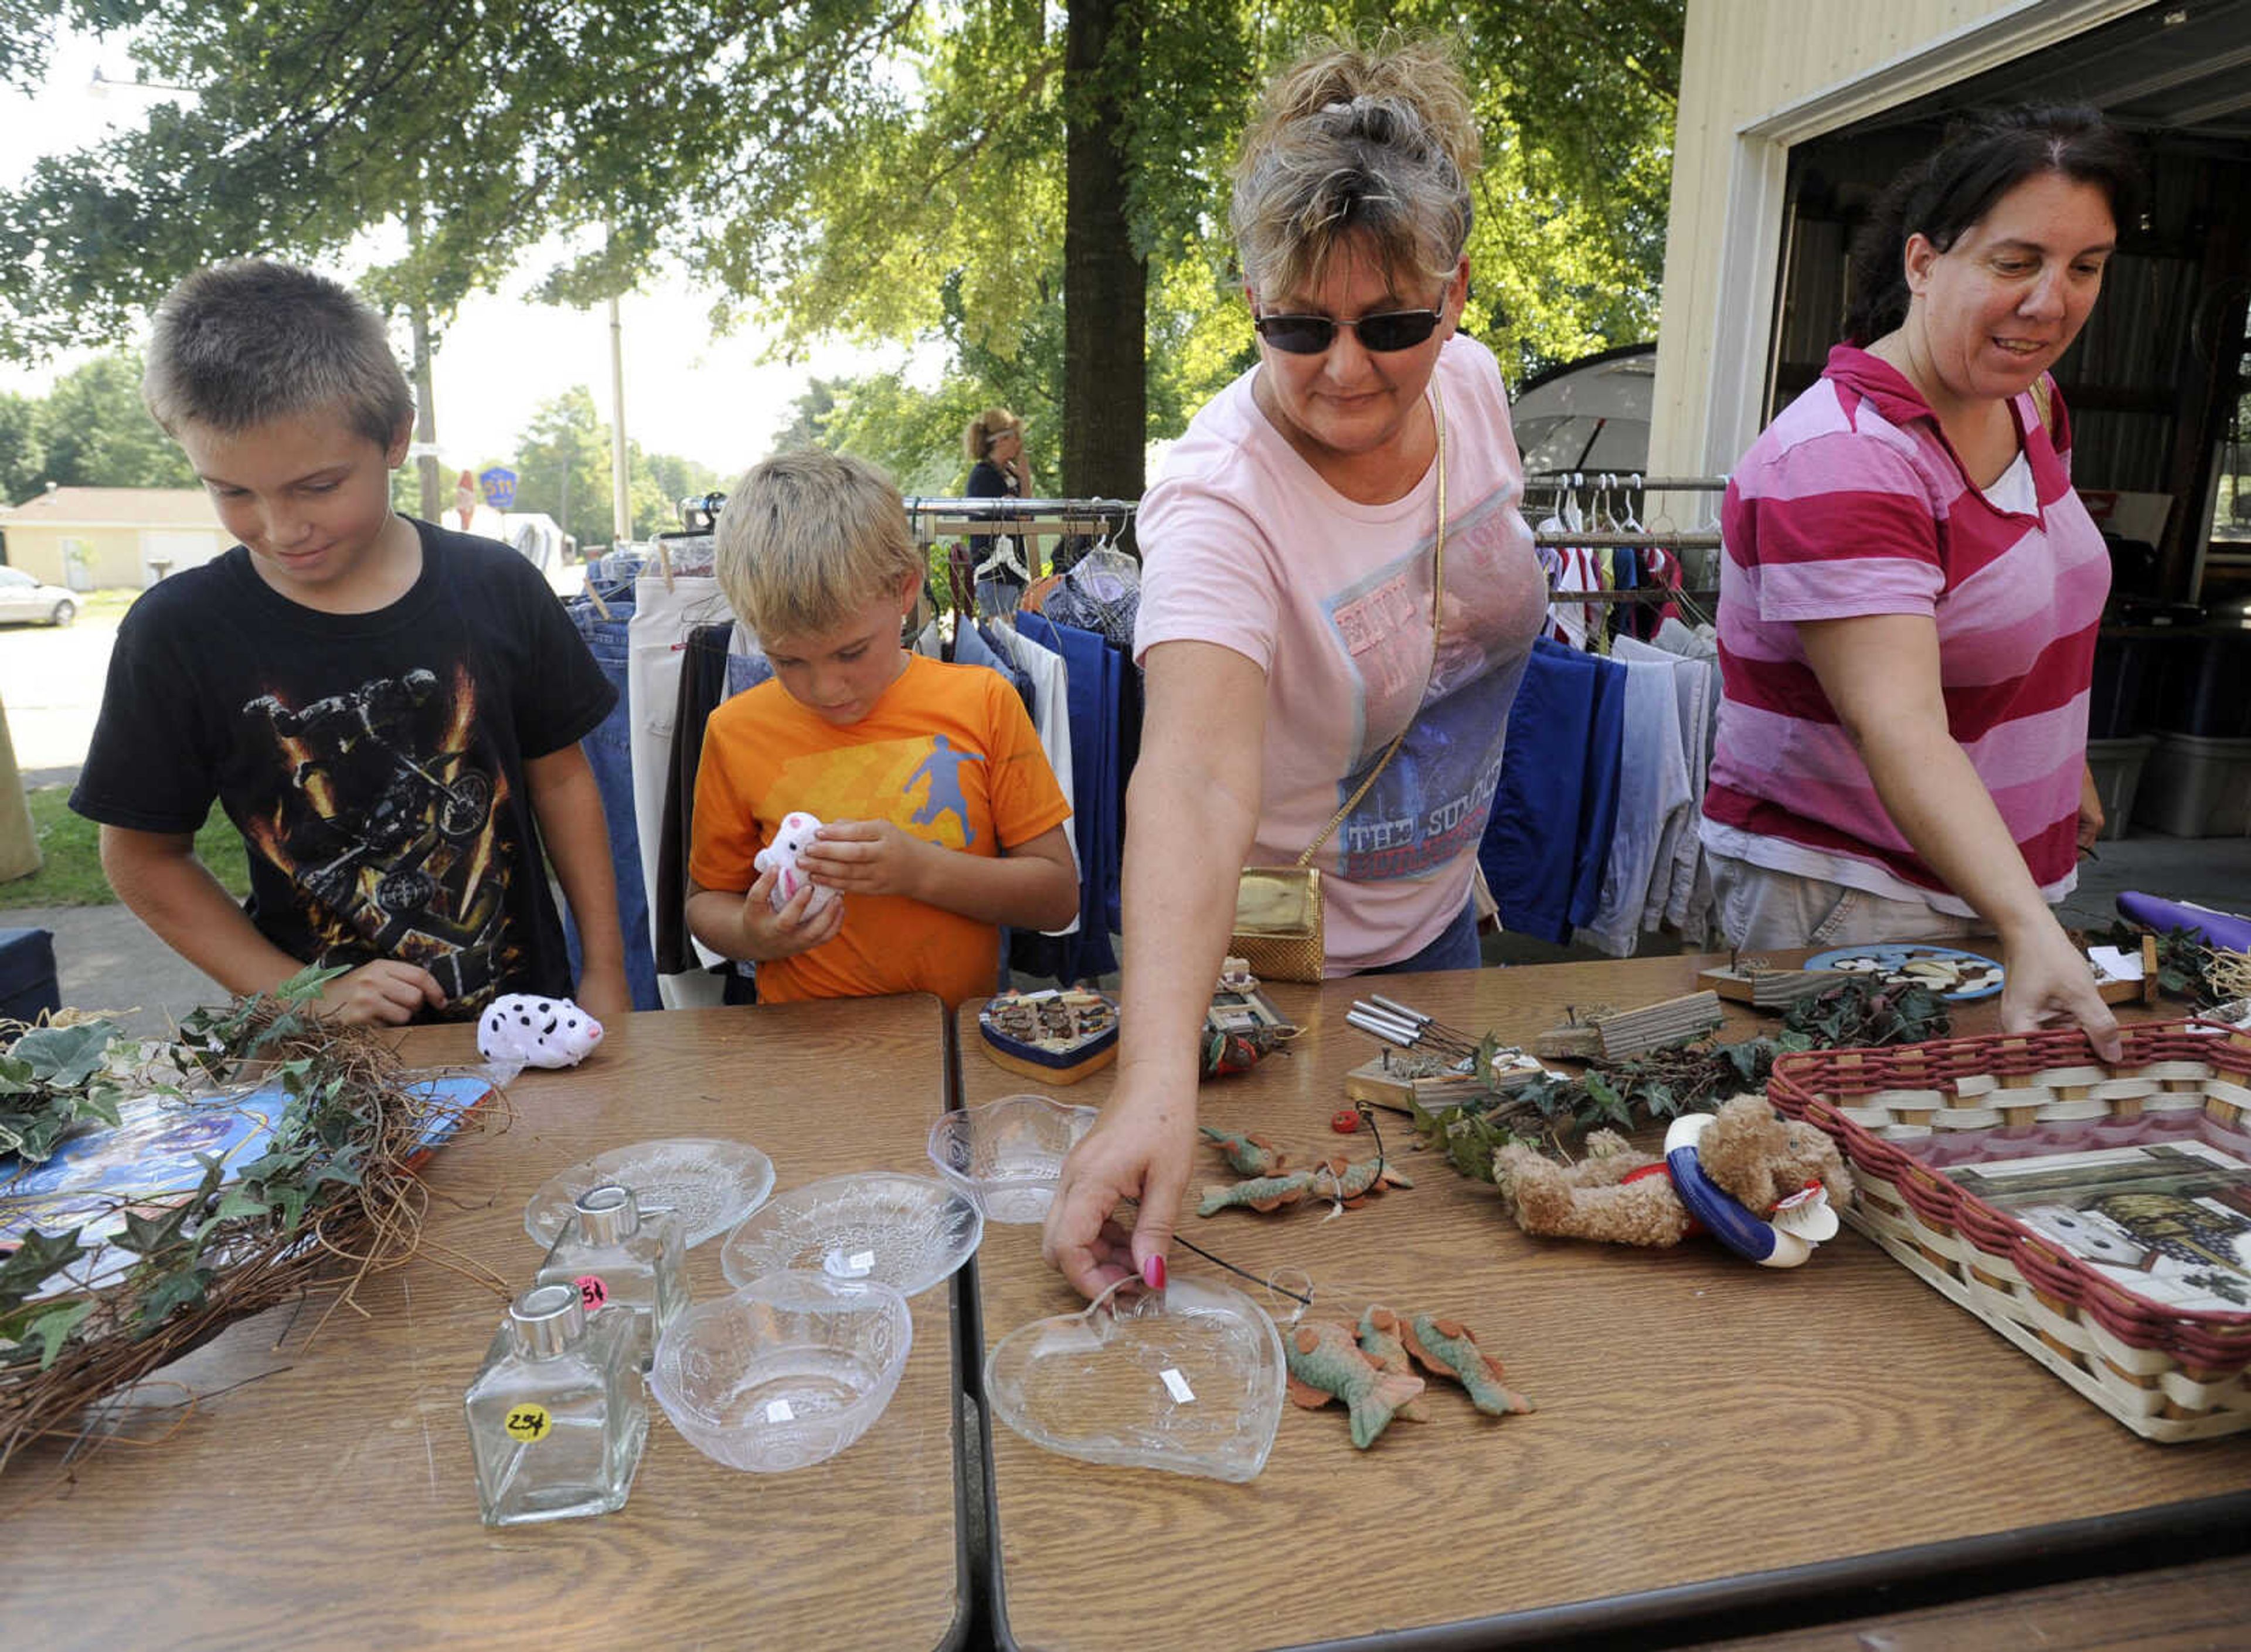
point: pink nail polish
(1153, 1273)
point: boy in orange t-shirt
(941, 818)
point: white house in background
(84, 537)
(1794, 114)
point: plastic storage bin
(2116, 765)
(2116, 698)
(27, 974)
(2201, 687)
(2196, 787)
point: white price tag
(779, 1411)
(861, 1261)
(1177, 1385)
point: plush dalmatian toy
(794, 835)
(539, 1033)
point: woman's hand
(2047, 979)
(786, 934)
(867, 858)
(2091, 819)
(1139, 1148)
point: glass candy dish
(788, 1371)
(1007, 1154)
(1190, 1379)
(905, 1231)
(710, 1186)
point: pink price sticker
(592, 1294)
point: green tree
(563, 466)
(23, 459)
(96, 433)
(1051, 202)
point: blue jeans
(1453, 948)
(609, 753)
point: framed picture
(2170, 1221)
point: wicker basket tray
(2168, 1372)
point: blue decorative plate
(1888, 959)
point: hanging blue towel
(1089, 687)
(1549, 840)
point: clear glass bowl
(1007, 1154)
(906, 1231)
(788, 1371)
(1189, 1380)
(710, 1186)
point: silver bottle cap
(607, 1214)
(548, 1319)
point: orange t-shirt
(947, 754)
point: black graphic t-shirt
(372, 762)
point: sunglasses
(1311, 334)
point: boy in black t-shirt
(388, 712)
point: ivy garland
(1626, 1095)
(332, 1199)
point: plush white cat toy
(539, 1032)
(779, 857)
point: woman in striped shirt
(1910, 589)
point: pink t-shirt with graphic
(1853, 502)
(1246, 547)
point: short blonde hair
(1357, 145)
(808, 539)
(987, 427)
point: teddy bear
(537, 1032)
(1764, 1185)
(791, 839)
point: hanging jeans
(609, 753)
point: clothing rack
(1595, 540)
(1030, 519)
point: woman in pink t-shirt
(1287, 604)
(1911, 590)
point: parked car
(23, 598)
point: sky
(687, 391)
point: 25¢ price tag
(528, 1423)
(592, 1294)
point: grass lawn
(72, 876)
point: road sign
(498, 485)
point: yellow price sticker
(528, 1423)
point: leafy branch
(78, 1320)
(1629, 1093)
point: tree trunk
(425, 398)
(1106, 281)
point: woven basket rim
(2205, 1338)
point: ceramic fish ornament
(1246, 1155)
(1445, 1346)
(1380, 1339)
(1325, 1364)
(1262, 1193)
(1351, 1182)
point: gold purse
(1277, 909)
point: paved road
(51, 685)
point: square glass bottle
(556, 1415)
(622, 1261)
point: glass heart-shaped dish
(1189, 1380)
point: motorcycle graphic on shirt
(388, 829)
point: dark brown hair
(1943, 196)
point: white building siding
(1756, 76)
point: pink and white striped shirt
(1853, 502)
